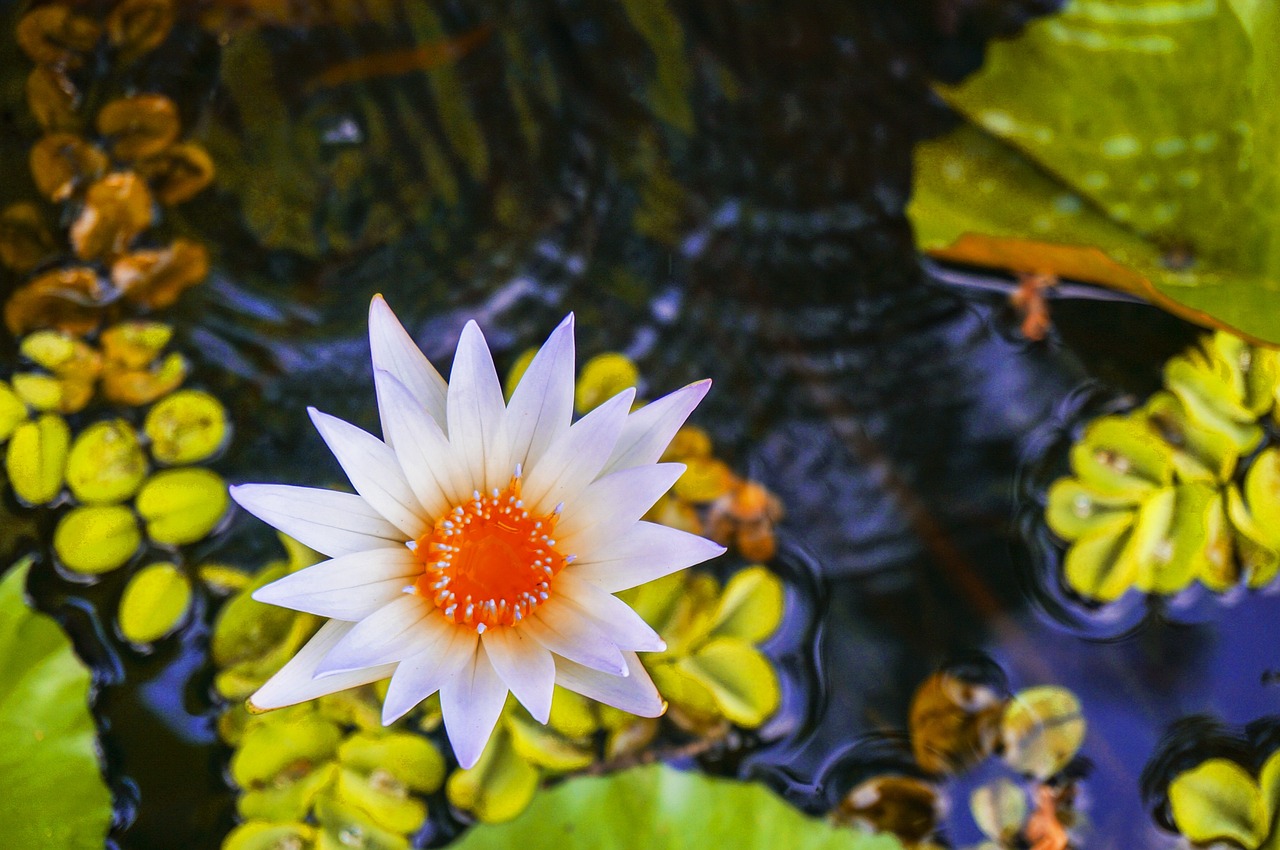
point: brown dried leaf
(53, 99)
(25, 240)
(1044, 829)
(54, 35)
(68, 299)
(116, 209)
(902, 805)
(136, 27)
(179, 173)
(140, 126)
(954, 723)
(62, 162)
(143, 386)
(157, 278)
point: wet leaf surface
(55, 795)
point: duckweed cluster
(957, 724)
(1177, 492)
(105, 182)
(1219, 800)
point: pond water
(716, 192)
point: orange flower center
(489, 562)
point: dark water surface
(717, 191)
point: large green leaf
(53, 794)
(658, 808)
(1130, 143)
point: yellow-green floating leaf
(96, 539)
(154, 603)
(181, 506)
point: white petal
(575, 458)
(475, 412)
(623, 626)
(295, 682)
(634, 693)
(348, 588)
(395, 351)
(332, 523)
(646, 552)
(471, 702)
(423, 673)
(433, 472)
(611, 505)
(374, 471)
(541, 406)
(649, 430)
(392, 633)
(567, 633)
(527, 668)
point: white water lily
(486, 541)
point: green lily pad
(412, 759)
(54, 794)
(658, 808)
(1219, 801)
(1123, 143)
(154, 602)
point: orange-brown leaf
(67, 299)
(179, 173)
(140, 126)
(53, 98)
(116, 209)
(136, 27)
(63, 162)
(55, 35)
(157, 278)
(25, 238)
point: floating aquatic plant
(659, 808)
(444, 572)
(955, 724)
(54, 793)
(1153, 502)
(108, 183)
(1220, 801)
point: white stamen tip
(519, 470)
(411, 545)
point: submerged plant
(445, 574)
